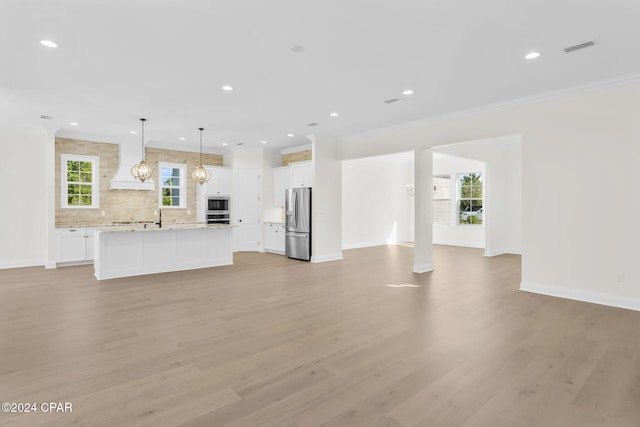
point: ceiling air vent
(579, 46)
(391, 101)
(45, 117)
(312, 124)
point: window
(172, 189)
(442, 199)
(79, 181)
(470, 209)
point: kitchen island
(125, 251)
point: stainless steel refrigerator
(298, 223)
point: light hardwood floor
(276, 342)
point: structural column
(423, 251)
(326, 205)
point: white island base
(123, 252)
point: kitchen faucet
(159, 223)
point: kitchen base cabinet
(274, 237)
(125, 252)
(75, 245)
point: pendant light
(200, 174)
(142, 170)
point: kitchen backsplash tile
(298, 156)
(126, 205)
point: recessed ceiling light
(532, 55)
(263, 142)
(133, 132)
(227, 88)
(224, 143)
(289, 134)
(407, 92)
(334, 114)
(73, 123)
(183, 138)
(48, 43)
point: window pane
(73, 176)
(85, 189)
(85, 200)
(85, 177)
(476, 192)
(166, 192)
(176, 201)
(73, 200)
(175, 172)
(86, 166)
(175, 192)
(73, 189)
(166, 201)
(73, 165)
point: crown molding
(545, 96)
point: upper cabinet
(281, 181)
(301, 175)
(220, 182)
(293, 176)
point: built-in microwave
(218, 210)
(217, 204)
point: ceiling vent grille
(312, 124)
(45, 117)
(579, 46)
(391, 101)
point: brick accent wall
(298, 156)
(126, 205)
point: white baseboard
(363, 245)
(496, 252)
(424, 268)
(327, 258)
(22, 263)
(585, 296)
(462, 244)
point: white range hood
(123, 180)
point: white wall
(580, 154)
(376, 209)
(326, 205)
(454, 233)
(24, 209)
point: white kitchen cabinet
(218, 185)
(75, 244)
(220, 182)
(274, 237)
(281, 181)
(301, 174)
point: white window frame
(182, 187)
(459, 198)
(95, 182)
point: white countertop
(165, 227)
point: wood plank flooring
(276, 342)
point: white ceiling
(166, 60)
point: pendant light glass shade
(200, 174)
(142, 171)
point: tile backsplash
(126, 205)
